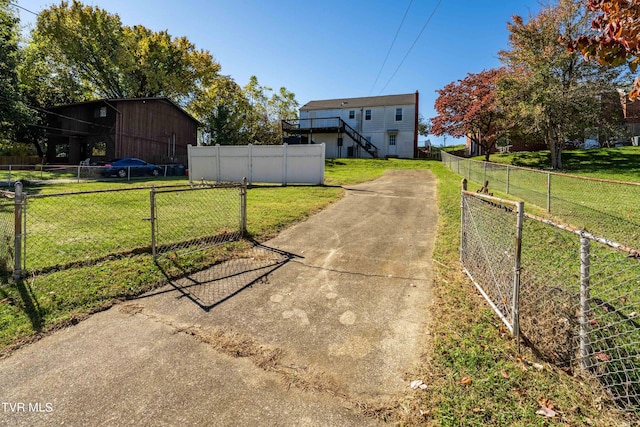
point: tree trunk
(556, 155)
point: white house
(375, 126)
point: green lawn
(604, 208)
(474, 374)
(618, 163)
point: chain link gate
(490, 250)
(185, 220)
(210, 237)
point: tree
(221, 108)
(263, 119)
(424, 126)
(551, 91)
(617, 38)
(115, 61)
(14, 114)
(469, 108)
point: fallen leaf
(546, 403)
(546, 412)
(604, 357)
(418, 384)
(505, 374)
(520, 391)
(593, 322)
(623, 299)
(538, 366)
(425, 413)
(465, 380)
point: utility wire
(390, 47)
(20, 7)
(414, 43)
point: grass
(618, 163)
(604, 208)
(473, 371)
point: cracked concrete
(330, 331)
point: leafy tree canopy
(469, 108)
(14, 115)
(553, 92)
(80, 52)
(116, 61)
(617, 36)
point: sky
(333, 49)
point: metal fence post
(152, 219)
(508, 174)
(515, 310)
(243, 208)
(548, 192)
(462, 221)
(17, 230)
(585, 265)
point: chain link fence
(7, 234)
(10, 174)
(571, 296)
(602, 207)
(63, 230)
(196, 235)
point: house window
(367, 114)
(352, 114)
(398, 114)
(100, 112)
(392, 140)
(340, 141)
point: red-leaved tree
(468, 108)
(617, 38)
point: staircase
(360, 140)
(328, 125)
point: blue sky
(334, 49)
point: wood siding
(149, 129)
(152, 129)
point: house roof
(369, 101)
(117, 100)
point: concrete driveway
(323, 332)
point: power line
(25, 9)
(390, 47)
(414, 43)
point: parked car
(129, 166)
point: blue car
(129, 166)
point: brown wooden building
(153, 129)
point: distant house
(377, 126)
(153, 129)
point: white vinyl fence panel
(285, 164)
